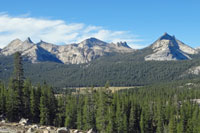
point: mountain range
(165, 48)
(76, 53)
(94, 62)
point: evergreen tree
(101, 111)
(195, 119)
(80, 112)
(12, 104)
(160, 118)
(60, 113)
(18, 69)
(34, 105)
(125, 125)
(70, 112)
(18, 73)
(133, 119)
(172, 124)
(110, 119)
(143, 123)
(26, 98)
(3, 93)
(18, 81)
(119, 116)
(44, 111)
(179, 127)
(51, 105)
(88, 111)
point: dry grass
(113, 89)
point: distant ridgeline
(94, 62)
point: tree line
(119, 70)
(160, 108)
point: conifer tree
(119, 116)
(51, 105)
(12, 104)
(18, 81)
(110, 119)
(34, 109)
(160, 118)
(18, 72)
(101, 111)
(80, 113)
(26, 98)
(88, 111)
(125, 125)
(172, 124)
(195, 119)
(2, 99)
(142, 123)
(133, 119)
(60, 113)
(70, 112)
(44, 111)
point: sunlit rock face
(76, 53)
(169, 48)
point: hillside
(120, 70)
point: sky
(139, 22)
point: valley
(99, 66)
(146, 90)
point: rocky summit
(76, 53)
(169, 48)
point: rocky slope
(76, 53)
(34, 128)
(29, 50)
(165, 48)
(193, 70)
(85, 51)
(169, 48)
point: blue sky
(139, 22)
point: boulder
(3, 121)
(63, 130)
(46, 131)
(50, 128)
(34, 126)
(30, 130)
(23, 122)
(91, 131)
(2, 117)
(76, 131)
(42, 127)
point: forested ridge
(119, 70)
(166, 107)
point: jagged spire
(41, 41)
(124, 44)
(28, 40)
